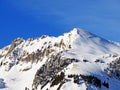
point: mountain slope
(76, 60)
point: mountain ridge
(81, 59)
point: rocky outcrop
(47, 72)
(14, 44)
(114, 68)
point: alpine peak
(77, 60)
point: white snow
(84, 46)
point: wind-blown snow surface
(78, 44)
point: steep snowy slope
(76, 60)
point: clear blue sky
(33, 18)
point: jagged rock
(50, 69)
(15, 43)
(114, 68)
(44, 36)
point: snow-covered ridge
(73, 56)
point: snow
(80, 68)
(17, 79)
(72, 86)
(84, 46)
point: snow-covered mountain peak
(80, 32)
(76, 60)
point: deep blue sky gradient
(33, 18)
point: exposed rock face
(53, 65)
(14, 44)
(114, 68)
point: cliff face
(76, 60)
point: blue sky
(33, 18)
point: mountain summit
(76, 60)
(81, 32)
